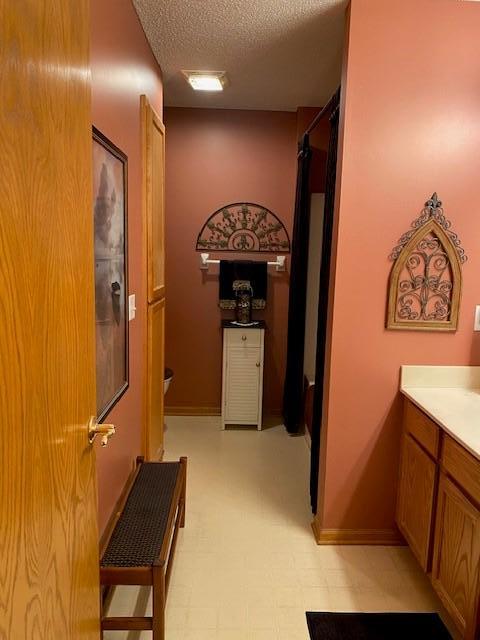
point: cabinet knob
(258, 364)
(244, 338)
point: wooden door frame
(150, 297)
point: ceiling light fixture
(206, 80)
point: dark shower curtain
(293, 387)
(323, 299)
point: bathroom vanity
(242, 378)
(438, 504)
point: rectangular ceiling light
(206, 80)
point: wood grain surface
(48, 518)
(154, 198)
(456, 561)
(416, 498)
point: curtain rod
(320, 115)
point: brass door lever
(95, 429)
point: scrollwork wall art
(426, 279)
(244, 227)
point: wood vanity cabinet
(417, 487)
(455, 571)
(438, 512)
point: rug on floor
(376, 626)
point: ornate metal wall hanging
(244, 226)
(426, 279)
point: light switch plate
(476, 325)
(131, 307)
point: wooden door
(154, 198)
(416, 494)
(48, 512)
(456, 561)
(156, 366)
(153, 140)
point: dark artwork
(109, 209)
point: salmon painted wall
(123, 68)
(409, 127)
(213, 158)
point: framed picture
(111, 283)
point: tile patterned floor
(247, 566)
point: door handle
(95, 429)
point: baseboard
(386, 537)
(193, 411)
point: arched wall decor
(244, 227)
(426, 279)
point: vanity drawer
(424, 430)
(243, 337)
(462, 467)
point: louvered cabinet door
(242, 378)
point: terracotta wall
(213, 158)
(409, 127)
(123, 68)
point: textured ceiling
(279, 54)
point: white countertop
(451, 397)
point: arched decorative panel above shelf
(244, 227)
(426, 279)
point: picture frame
(110, 221)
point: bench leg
(158, 602)
(183, 462)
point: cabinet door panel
(242, 383)
(424, 430)
(455, 572)
(154, 195)
(155, 375)
(417, 483)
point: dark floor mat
(376, 626)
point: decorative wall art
(110, 244)
(244, 227)
(426, 279)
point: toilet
(167, 379)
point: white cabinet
(242, 380)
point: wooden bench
(141, 541)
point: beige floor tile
(372, 600)
(201, 634)
(261, 618)
(262, 634)
(291, 618)
(316, 598)
(289, 634)
(232, 617)
(343, 599)
(180, 594)
(307, 560)
(380, 558)
(202, 618)
(287, 596)
(247, 566)
(176, 617)
(232, 634)
(312, 577)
